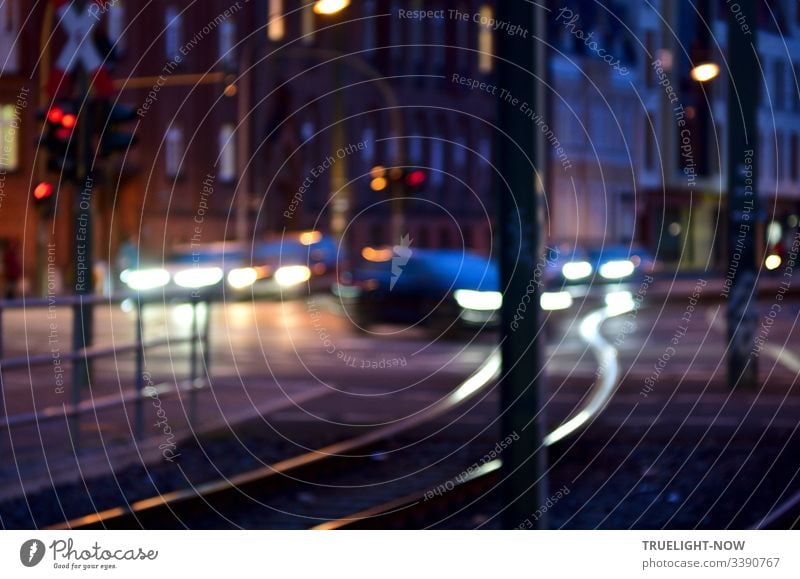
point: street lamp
(705, 72)
(327, 7)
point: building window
(174, 31)
(650, 46)
(115, 25)
(793, 85)
(396, 39)
(486, 40)
(9, 37)
(173, 152)
(438, 152)
(227, 153)
(227, 40)
(440, 45)
(370, 38)
(649, 143)
(779, 84)
(276, 27)
(462, 43)
(368, 137)
(9, 138)
(308, 24)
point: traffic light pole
(521, 160)
(83, 263)
(742, 197)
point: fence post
(193, 344)
(139, 426)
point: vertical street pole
(521, 66)
(340, 191)
(742, 196)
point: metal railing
(81, 358)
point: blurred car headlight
(291, 275)
(243, 277)
(145, 279)
(198, 277)
(574, 270)
(552, 301)
(617, 269)
(477, 300)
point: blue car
(437, 289)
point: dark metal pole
(742, 195)
(82, 244)
(521, 65)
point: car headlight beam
(292, 275)
(478, 300)
(145, 279)
(198, 277)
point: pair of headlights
(614, 269)
(200, 277)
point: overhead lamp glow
(705, 72)
(773, 262)
(145, 279)
(198, 277)
(327, 7)
(242, 277)
(377, 255)
(617, 269)
(552, 301)
(310, 237)
(291, 275)
(478, 300)
(574, 270)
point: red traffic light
(42, 191)
(55, 115)
(416, 178)
(69, 121)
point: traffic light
(416, 179)
(60, 121)
(113, 138)
(43, 197)
(378, 182)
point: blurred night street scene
(378, 264)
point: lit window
(174, 29)
(9, 138)
(227, 153)
(276, 27)
(173, 152)
(227, 39)
(486, 40)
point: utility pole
(521, 159)
(742, 195)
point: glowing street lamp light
(705, 72)
(327, 7)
